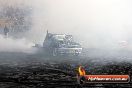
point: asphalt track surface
(22, 70)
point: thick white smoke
(96, 23)
(15, 45)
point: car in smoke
(61, 44)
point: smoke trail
(15, 45)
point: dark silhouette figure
(6, 30)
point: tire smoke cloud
(103, 24)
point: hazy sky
(96, 23)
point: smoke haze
(14, 45)
(94, 23)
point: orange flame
(81, 71)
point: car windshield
(63, 45)
(59, 37)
